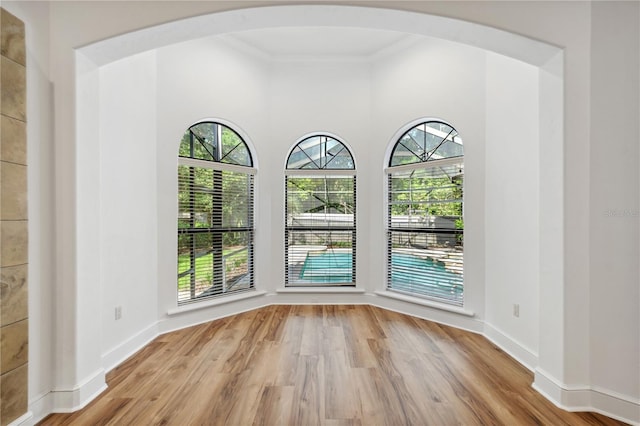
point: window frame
(289, 229)
(216, 164)
(427, 163)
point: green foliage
(422, 195)
(210, 198)
(320, 195)
(237, 259)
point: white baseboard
(69, 400)
(616, 406)
(587, 398)
(511, 346)
(120, 353)
(66, 401)
(24, 420)
(416, 308)
(40, 406)
(188, 318)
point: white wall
(615, 200)
(128, 211)
(511, 200)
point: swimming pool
(408, 273)
(327, 267)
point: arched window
(320, 214)
(425, 225)
(215, 213)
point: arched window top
(212, 141)
(320, 152)
(428, 141)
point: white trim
(425, 302)
(320, 172)
(425, 312)
(216, 165)
(233, 126)
(616, 395)
(222, 300)
(320, 133)
(69, 400)
(500, 41)
(24, 419)
(401, 131)
(515, 349)
(201, 314)
(126, 349)
(405, 42)
(317, 298)
(321, 290)
(41, 406)
(614, 405)
(425, 164)
(587, 398)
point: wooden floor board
(343, 365)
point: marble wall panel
(13, 140)
(13, 294)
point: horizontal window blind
(320, 230)
(425, 232)
(419, 265)
(215, 232)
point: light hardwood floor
(321, 365)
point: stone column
(13, 221)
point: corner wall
(512, 232)
(128, 201)
(614, 218)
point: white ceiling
(287, 42)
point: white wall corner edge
(587, 398)
(66, 401)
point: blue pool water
(327, 267)
(408, 273)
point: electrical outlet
(118, 312)
(516, 310)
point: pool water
(327, 267)
(408, 273)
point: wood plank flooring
(321, 365)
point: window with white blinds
(320, 214)
(425, 227)
(215, 213)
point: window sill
(321, 290)
(425, 302)
(223, 300)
